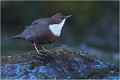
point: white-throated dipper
(43, 31)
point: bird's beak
(65, 17)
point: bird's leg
(43, 48)
(37, 49)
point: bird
(43, 31)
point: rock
(58, 63)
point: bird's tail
(16, 37)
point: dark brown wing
(36, 30)
(36, 21)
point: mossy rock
(58, 63)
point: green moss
(58, 63)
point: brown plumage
(39, 32)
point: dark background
(93, 26)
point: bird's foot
(38, 50)
(39, 53)
(43, 48)
(43, 52)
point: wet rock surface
(58, 63)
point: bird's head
(58, 18)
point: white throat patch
(56, 28)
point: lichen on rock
(58, 63)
